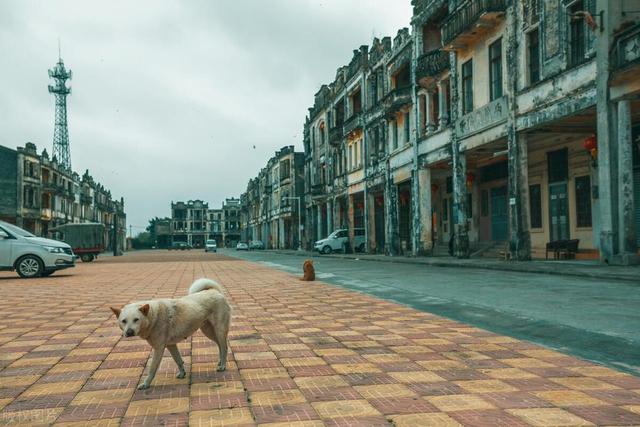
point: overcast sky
(169, 98)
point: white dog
(166, 322)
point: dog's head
(132, 318)
(308, 264)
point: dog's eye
(124, 321)
(135, 320)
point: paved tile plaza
(302, 354)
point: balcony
(470, 20)
(86, 199)
(335, 135)
(317, 189)
(431, 65)
(354, 122)
(483, 118)
(396, 99)
(626, 49)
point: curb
(506, 267)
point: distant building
(269, 205)
(194, 222)
(38, 194)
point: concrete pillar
(391, 217)
(459, 214)
(330, 217)
(424, 204)
(281, 240)
(431, 126)
(319, 222)
(626, 209)
(351, 220)
(370, 203)
(518, 159)
(443, 120)
(420, 115)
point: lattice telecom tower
(61, 133)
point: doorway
(499, 214)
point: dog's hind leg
(217, 332)
(222, 330)
(175, 353)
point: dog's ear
(116, 311)
(144, 309)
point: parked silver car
(32, 256)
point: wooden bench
(562, 249)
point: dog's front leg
(175, 353)
(155, 362)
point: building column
(425, 208)
(518, 160)
(626, 208)
(443, 120)
(431, 126)
(329, 217)
(370, 219)
(351, 220)
(459, 214)
(391, 217)
(319, 222)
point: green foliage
(143, 241)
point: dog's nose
(130, 332)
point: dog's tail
(204, 284)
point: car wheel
(326, 250)
(29, 266)
(86, 257)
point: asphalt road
(593, 319)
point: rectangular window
(535, 205)
(495, 69)
(467, 86)
(533, 40)
(577, 47)
(407, 130)
(583, 201)
(484, 203)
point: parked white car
(32, 256)
(211, 246)
(338, 240)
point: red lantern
(470, 178)
(590, 143)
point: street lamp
(299, 215)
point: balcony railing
(354, 122)
(465, 17)
(432, 63)
(626, 50)
(397, 98)
(86, 199)
(335, 135)
(317, 189)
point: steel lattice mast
(61, 133)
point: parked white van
(338, 240)
(32, 256)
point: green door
(558, 211)
(499, 214)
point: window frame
(583, 201)
(496, 84)
(466, 75)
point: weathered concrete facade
(484, 127)
(38, 194)
(270, 204)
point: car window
(342, 233)
(16, 231)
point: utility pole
(130, 232)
